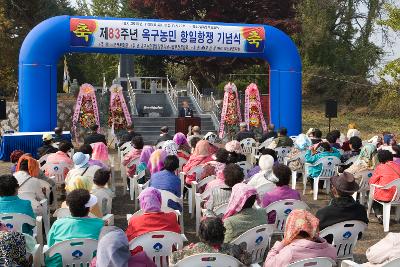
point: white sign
(166, 36)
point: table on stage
(182, 124)
(28, 142)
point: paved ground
(122, 205)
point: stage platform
(28, 142)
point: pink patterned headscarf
(150, 200)
(180, 139)
(100, 151)
(156, 161)
(234, 146)
(300, 221)
(240, 193)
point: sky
(391, 50)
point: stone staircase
(149, 127)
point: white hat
(80, 159)
(266, 162)
(92, 201)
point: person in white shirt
(30, 187)
(104, 195)
(265, 176)
(82, 167)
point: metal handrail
(215, 110)
(132, 97)
(198, 97)
(173, 94)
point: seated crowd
(236, 198)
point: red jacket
(383, 175)
(149, 222)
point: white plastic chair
(248, 145)
(256, 240)
(165, 197)
(300, 157)
(345, 235)
(364, 186)
(158, 245)
(209, 260)
(42, 162)
(198, 170)
(221, 209)
(282, 209)
(264, 188)
(386, 205)
(15, 221)
(64, 212)
(134, 186)
(163, 209)
(195, 188)
(74, 252)
(111, 182)
(329, 168)
(245, 166)
(124, 150)
(182, 162)
(350, 160)
(317, 262)
(56, 171)
(392, 263)
(282, 152)
(199, 199)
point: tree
(209, 72)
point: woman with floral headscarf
(240, 215)
(183, 145)
(301, 144)
(156, 161)
(200, 156)
(301, 241)
(152, 219)
(13, 248)
(235, 148)
(366, 160)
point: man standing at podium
(185, 110)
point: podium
(182, 124)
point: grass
(368, 124)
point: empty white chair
(134, 187)
(328, 169)
(283, 209)
(386, 205)
(209, 260)
(282, 152)
(196, 187)
(15, 221)
(158, 245)
(364, 186)
(74, 252)
(392, 263)
(248, 145)
(314, 262)
(345, 236)
(165, 197)
(198, 170)
(256, 240)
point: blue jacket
(315, 171)
(166, 180)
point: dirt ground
(122, 205)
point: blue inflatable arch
(52, 38)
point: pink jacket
(299, 249)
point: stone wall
(65, 110)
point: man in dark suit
(185, 110)
(244, 133)
(128, 135)
(94, 137)
(164, 136)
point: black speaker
(331, 108)
(3, 114)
